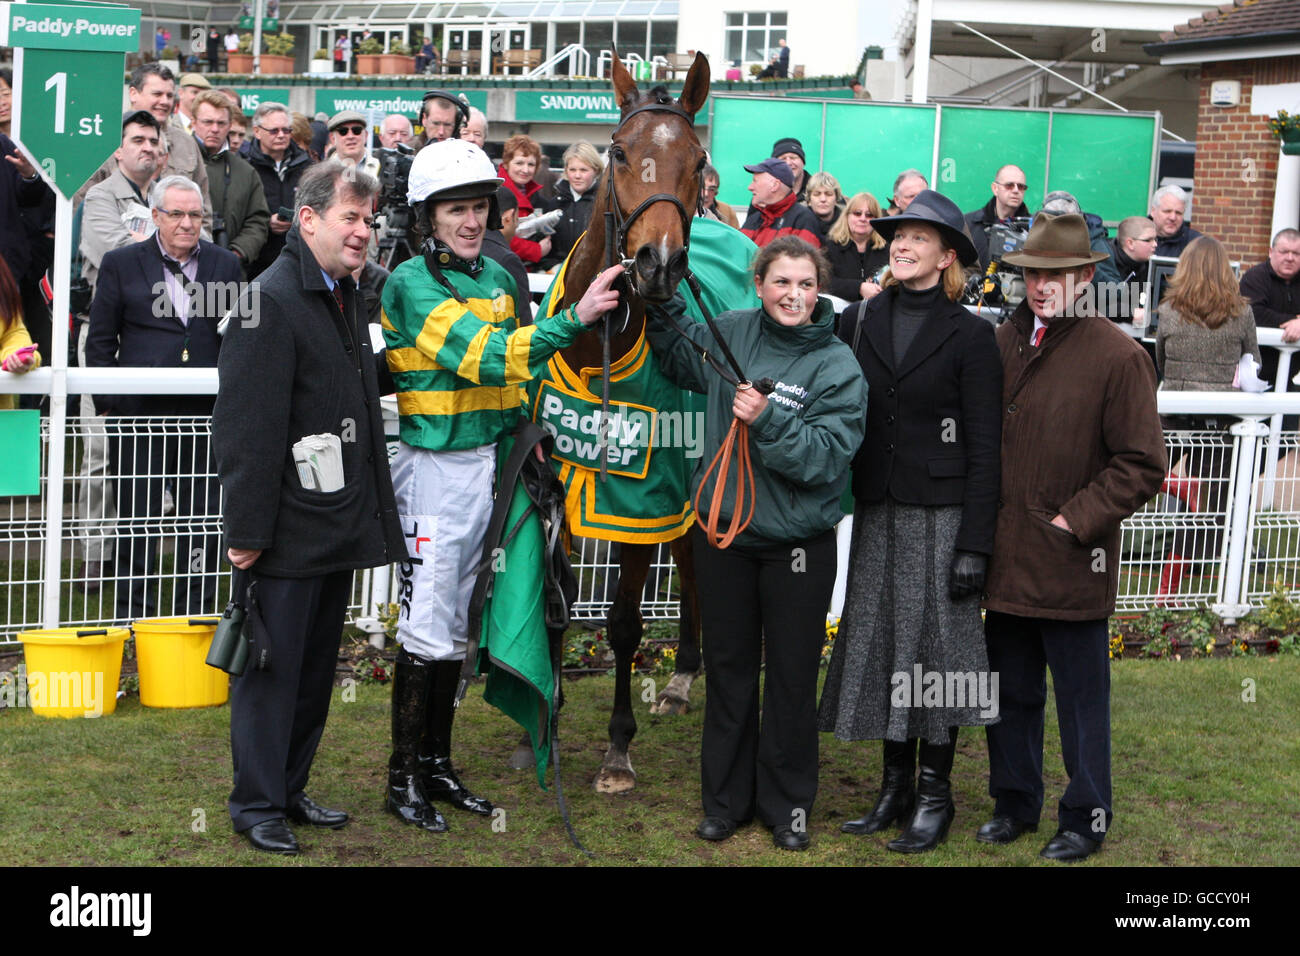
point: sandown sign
(52, 27)
(571, 106)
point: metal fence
(1223, 531)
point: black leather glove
(967, 575)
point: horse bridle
(616, 251)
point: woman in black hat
(925, 484)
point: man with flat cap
(775, 211)
(349, 135)
(1082, 449)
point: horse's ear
(625, 91)
(696, 89)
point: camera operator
(240, 216)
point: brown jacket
(1080, 437)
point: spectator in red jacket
(519, 161)
(775, 211)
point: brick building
(1249, 52)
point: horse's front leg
(624, 629)
(675, 698)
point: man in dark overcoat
(1082, 449)
(298, 363)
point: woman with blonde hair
(925, 487)
(520, 158)
(17, 353)
(1205, 327)
(575, 193)
(857, 253)
(825, 200)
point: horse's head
(654, 157)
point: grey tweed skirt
(908, 661)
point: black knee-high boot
(438, 779)
(412, 690)
(897, 790)
(934, 807)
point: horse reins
(616, 229)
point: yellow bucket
(170, 652)
(73, 672)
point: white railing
(1220, 533)
(579, 62)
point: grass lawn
(1201, 778)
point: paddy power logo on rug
(581, 433)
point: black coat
(1174, 245)
(577, 213)
(981, 221)
(280, 189)
(134, 325)
(1275, 301)
(850, 268)
(934, 422)
(295, 368)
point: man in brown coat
(1082, 449)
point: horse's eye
(616, 153)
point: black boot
(897, 790)
(934, 808)
(412, 689)
(437, 777)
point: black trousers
(1020, 649)
(754, 604)
(144, 464)
(277, 715)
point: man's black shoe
(306, 810)
(788, 838)
(1004, 829)
(715, 828)
(1068, 846)
(273, 836)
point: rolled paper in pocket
(319, 460)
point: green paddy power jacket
(802, 443)
(460, 369)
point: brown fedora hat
(1056, 242)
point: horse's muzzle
(657, 280)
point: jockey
(458, 357)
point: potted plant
(321, 62)
(398, 60)
(277, 55)
(242, 62)
(1285, 126)
(370, 54)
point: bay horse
(651, 185)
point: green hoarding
(565, 106)
(404, 100)
(1104, 159)
(250, 98)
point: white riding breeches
(444, 502)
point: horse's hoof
(675, 699)
(612, 780)
(670, 706)
(616, 774)
(522, 758)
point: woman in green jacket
(764, 598)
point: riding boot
(437, 777)
(934, 808)
(897, 790)
(412, 689)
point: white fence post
(1232, 605)
(52, 572)
(1275, 426)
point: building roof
(1240, 23)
